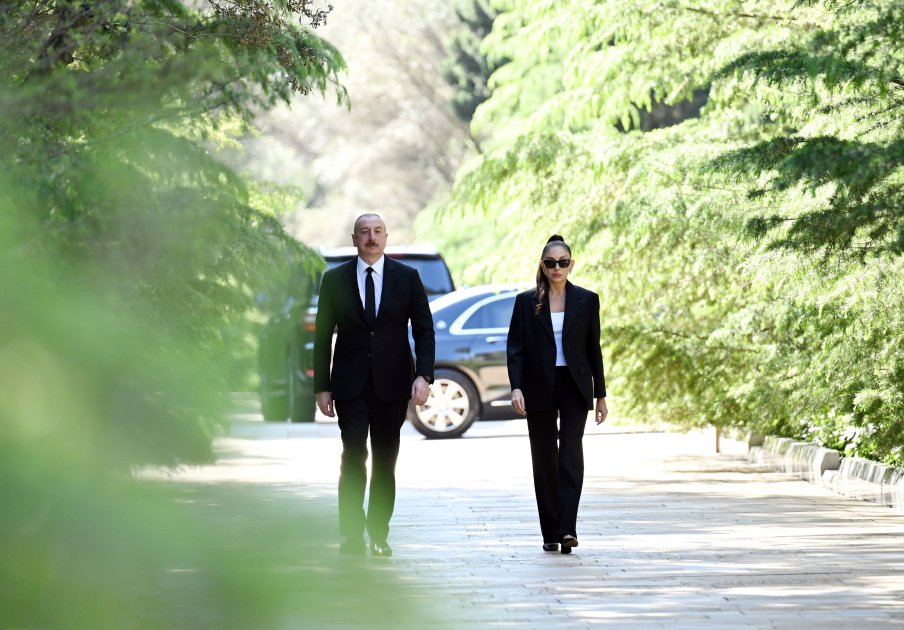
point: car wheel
(272, 373)
(303, 408)
(274, 406)
(450, 409)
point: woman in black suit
(556, 369)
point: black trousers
(557, 454)
(383, 420)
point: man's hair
(367, 215)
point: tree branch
(745, 16)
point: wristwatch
(427, 378)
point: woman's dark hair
(542, 281)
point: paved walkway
(671, 535)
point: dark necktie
(370, 297)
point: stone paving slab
(671, 534)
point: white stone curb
(849, 476)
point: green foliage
(188, 555)
(466, 68)
(130, 262)
(110, 197)
(863, 212)
(746, 259)
(849, 151)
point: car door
(485, 324)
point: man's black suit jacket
(382, 349)
(531, 347)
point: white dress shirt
(378, 280)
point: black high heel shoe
(568, 542)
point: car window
(495, 314)
(332, 262)
(433, 271)
(434, 274)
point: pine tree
(466, 68)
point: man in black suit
(369, 301)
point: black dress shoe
(568, 542)
(352, 547)
(550, 546)
(380, 549)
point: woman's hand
(601, 410)
(518, 402)
(420, 390)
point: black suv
(285, 360)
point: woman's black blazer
(531, 348)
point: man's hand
(420, 390)
(518, 402)
(325, 402)
(601, 410)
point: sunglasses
(551, 264)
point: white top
(558, 320)
(378, 280)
